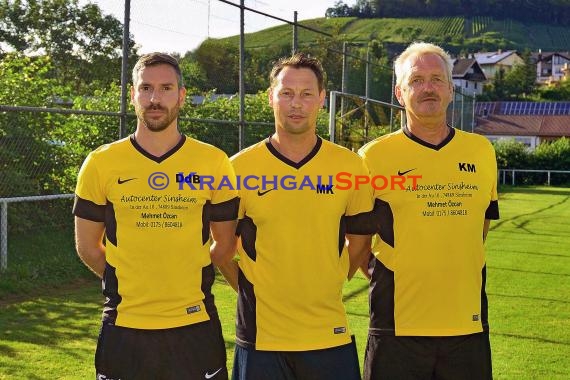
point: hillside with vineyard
(457, 34)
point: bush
(553, 155)
(512, 155)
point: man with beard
(428, 307)
(291, 322)
(143, 223)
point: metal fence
(533, 177)
(30, 196)
(461, 112)
(358, 119)
(40, 162)
(38, 168)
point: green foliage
(517, 84)
(220, 62)
(547, 11)
(512, 154)
(193, 74)
(79, 134)
(497, 89)
(26, 148)
(28, 81)
(258, 116)
(557, 92)
(554, 155)
(520, 81)
(84, 44)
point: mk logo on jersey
(466, 167)
(325, 189)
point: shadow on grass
(533, 338)
(502, 251)
(535, 235)
(529, 271)
(354, 293)
(533, 190)
(7, 351)
(230, 344)
(538, 211)
(528, 298)
(49, 320)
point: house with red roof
(531, 123)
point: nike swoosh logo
(209, 376)
(405, 172)
(121, 181)
(261, 193)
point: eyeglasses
(417, 83)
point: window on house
(466, 84)
(525, 140)
(475, 86)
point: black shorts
(462, 357)
(331, 363)
(189, 352)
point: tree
(560, 91)
(26, 149)
(520, 81)
(83, 44)
(339, 9)
(193, 74)
(220, 62)
(512, 154)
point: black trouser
(462, 357)
(190, 352)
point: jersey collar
(426, 144)
(296, 165)
(164, 156)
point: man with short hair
(428, 307)
(293, 222)
(159, 319)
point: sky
(178, 26)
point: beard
(160, 124)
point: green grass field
(52, 335)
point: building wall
(551, 70)
(469, 87)
(530, 141)
(507, 64)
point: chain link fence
(461, 113)
(39, 172)
(357, 120)
(43, 142)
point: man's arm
(223, 250)
(365, 265)
(486, 225)
(358, 251)
(89, 244)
